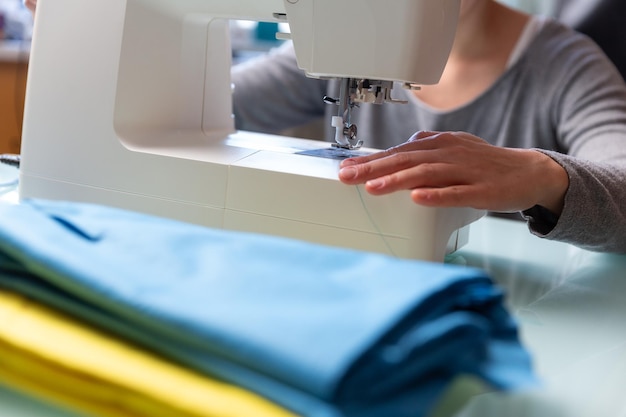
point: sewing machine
(129, 104)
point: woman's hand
(456, 169)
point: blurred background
(600, 19)
(16, 27)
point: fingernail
(376, 184)
(348, 162)
(348, 173)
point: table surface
(570, 305)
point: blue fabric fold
(322, 331)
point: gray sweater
(562, 96)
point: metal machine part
(352, 93)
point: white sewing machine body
(129, 104)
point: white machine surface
(129, 104)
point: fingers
(411, 144)
(385, 176)
(451, 169)
(453, 196)
(391, 164)
(422, 135)
(423, 147)
(425, 175)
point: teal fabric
(320, 330)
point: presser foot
(345, 134)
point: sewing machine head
(371, 45)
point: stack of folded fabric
(317, 331)
(58, 359)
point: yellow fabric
(56, 357)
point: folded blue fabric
(322, 331)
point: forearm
(272, 94)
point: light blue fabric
(322, 331)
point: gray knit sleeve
(594, 215)
(272, 94)
(589, 114)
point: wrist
(554, 182)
